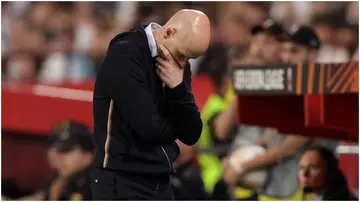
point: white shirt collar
(150, 36)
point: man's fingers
(161, 75)
(160, 60)
(160, 67)
(167, 63)
(158, 72)
(161, 71)
(165, 52)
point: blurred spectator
(147, 13)
(330, 54)
(347, 37)
(206, 65)
(5, 29)
(235, 19)
(126, 10)
(64, 65)
(9, 190)
(187, 183)
(105, 32)
(40, 13)
(283, 151)
(35, 28)
(302, 45)
(18, 8)
(216, 131)
(27, 38)
(263, 49)
(320, 175)
(70, 154)
(336, 38)
(265, 44)
(291, 12)
(54, 69)
(302, 12)
(352, 16)
(85, 28)
(324, 27)
(21, 68)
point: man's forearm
(190, 130)
(186, 116)
(269, 158)
(287, 148)
(225, 121)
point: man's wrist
(175, 85)
(178, 92)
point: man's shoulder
(130, 41)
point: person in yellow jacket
(217, 126)
(219, 112)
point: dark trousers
(113, 185)
(187, 183)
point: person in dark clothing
(71, 154)
(320, 174)
(143, 103)
(265, 44)
(10, 189)
(75, 147)
(74, 188)
(301, 46)
(186, 182)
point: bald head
(189, 31)
(193, 27)
(191, 20)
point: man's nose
(306, 172)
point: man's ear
(169, 32)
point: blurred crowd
(55, 42)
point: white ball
(258, 177)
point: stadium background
(50, 53)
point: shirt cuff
(178, 92)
